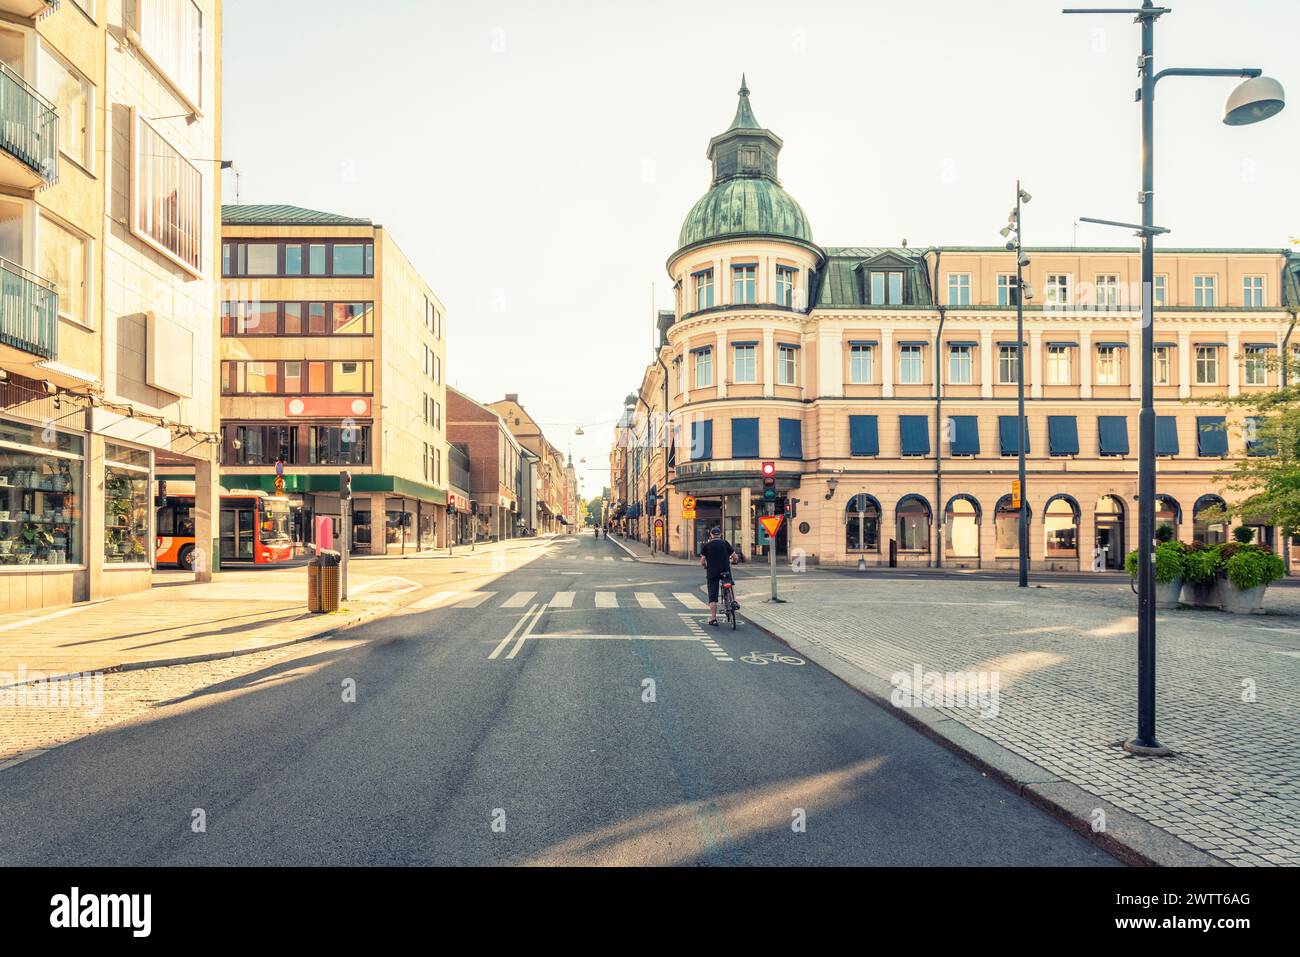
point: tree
(595, 509)
(1268, 476)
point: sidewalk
(641, 552)
(1064, 657)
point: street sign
(279, 485)
(771, 524)
(688, 503)
(1015, 493)
(659, 527)
(688, 513)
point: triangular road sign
(771, 524)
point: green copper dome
(746, 198)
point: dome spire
(744, 113)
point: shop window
(41, 504)
(126, 504)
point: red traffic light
(769, 469)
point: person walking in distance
(716, 556)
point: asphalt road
(514, 728)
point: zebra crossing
(605, 558)
(649, 601)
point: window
(1006, 528)
(961, 535)
(1160, 365)
(1008, 291)
(959, 289)
(167, 201)
(1203, 290)
(40, 468)
(1060, 526)
(293, 259)
(744, 284)
(1107, 291)
(262, 259)
(322, 377)
(1256, 366)
(352, 318)
(862, 524)
(790, 435)
(1107, 365)
(746, 364)
(1252, 291)
(913, 525)
(339, 445)
(748, 158)
(911, 368)
(1058, 365)
(960, 370)
(261, 444)
(859, 363)
(74, 102)
(785, 286)
(1159, 291)
(786, 357)
(704, 289)
(171, 33)
(65, 260)
(350, 259)
(292, 378)
(316, 259)
(1058, 290)
(255, 258)
(127, 505)
(1008, 365)
(88, 6)
(886, 288)
(703, 368)
(744, 438)
(1207, 365)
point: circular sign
(688, 502)
(804, 528)
(296, 406)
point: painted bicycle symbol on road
(754, 658)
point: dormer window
(748, 159)
(886, 288)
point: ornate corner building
(882, 383)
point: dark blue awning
(970, 344)
(864, 436)
(965, 435)
(1062, 435)
(1211, 437)
(1112, 434)
(915, 434)
(1166, 435)
(1009, 435)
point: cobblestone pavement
(1065, 657)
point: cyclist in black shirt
(716, 555)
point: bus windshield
(275, 522)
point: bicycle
(728, 597)
(775, 657)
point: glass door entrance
(237, 532)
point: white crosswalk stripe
(689, 600)
(647, 599)
(519, 599)
(436, 600)
(474, 599)
(563, 599)
(606, 599)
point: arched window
(1204, 531)
(1006, 528)
(1061, 527)
(961, 527)
(1108, 532)
(862, 524)
(912, 516)
(1168, 512)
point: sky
(535, 160)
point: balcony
(29, 134)
(30, 9)
(29, 317)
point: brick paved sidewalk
(1065, 658)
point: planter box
(1167, 595)
(1239, 601)
(1202, 596)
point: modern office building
(495, 465)
(333, 358)
(110, 164)
(881, 381)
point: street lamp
(1011, 233)
(1258, 98)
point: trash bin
(323, 582)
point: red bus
(253, 530)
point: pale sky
(536, 159)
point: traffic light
(345, 486)
(769, 481)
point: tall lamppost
(1011, 231)
(1258, 98)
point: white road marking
(506, 640)
(435, 600)
(519, 599)
(474, 599)
(689, 600)
(648, 600)
(563, 599)
(606, 599)
(523, 635)
(628, 559)
(28, 622)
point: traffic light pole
(345, 531)
(771, 552)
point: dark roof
(744, 119)
(266, 215)
(840, 283)
(1291, 282)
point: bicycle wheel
(789, 660)
(754, 659)
(731, 611)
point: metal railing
(29, 311)
(29, 126)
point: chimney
(512, 397)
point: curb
(1127, 837)
(679, 562)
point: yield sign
(771, 524)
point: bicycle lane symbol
(754, 658)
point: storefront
(42, 501)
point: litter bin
(323, 582)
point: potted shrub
(1246, 573)
(1169, 569)
(1201, 577)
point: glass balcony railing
(29, 126)
(29, 312)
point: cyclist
(716, 556)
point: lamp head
(1024, 196)
(1253, 100)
